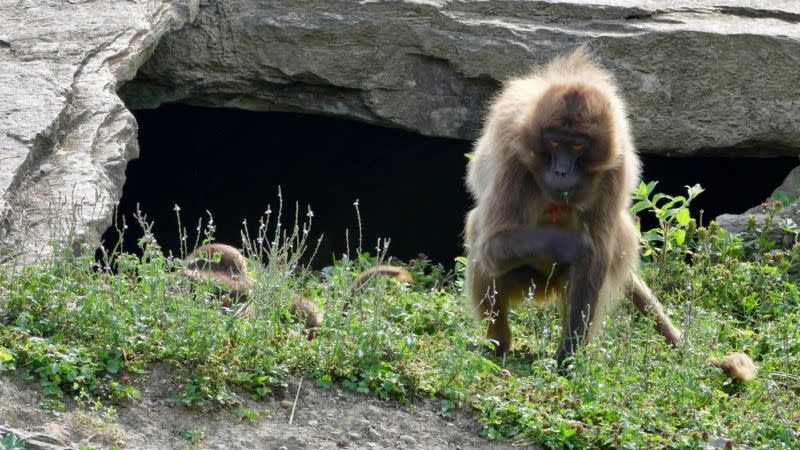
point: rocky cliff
(699, 76)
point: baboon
(551, 179)
(737, 365)
(398, 273)
(225, 266)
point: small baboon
(737, 365)
(226, 268)
(398, 273)
(551, 179)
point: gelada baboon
(398, 273)
(551, 179)
(223, 265)
(226, 268)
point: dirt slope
(324, 419)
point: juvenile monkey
(551, 179)
(225, 266)
(398, 273)
(736, 364)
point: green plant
(195, 436)
(11, 441)
(674, 233)
(86, 331)
(247, 413)
(6, 360)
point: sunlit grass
(77, 327)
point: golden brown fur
(225, 266)
(398, 273)
(581, 251)
(585, 256)
(737, 365)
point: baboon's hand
(569, 247)
(519, 246)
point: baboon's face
(562, 155)
(567, 143)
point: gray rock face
(699, 76)
(65, 135)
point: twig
(296, 396)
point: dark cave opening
(409, 187)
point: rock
(408, 440)
(313, 423)
(66, 135)
(286, 404)
(696, 79)
(430, 66)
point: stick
(296, 396)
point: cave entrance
(231, 162)
(409, 187)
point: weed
(11, 441)
(247, 413)
(195, 436)
(85, 330)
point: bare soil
(323, 419)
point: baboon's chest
(563, 217)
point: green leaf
(641, 191)
(651, 236)
(5, 355)
(639, 206)
(650, 186)
(674, 201)
(694, 191)
(683, 217)
(113, 365)
(680, 236)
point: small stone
(286, 404)
(374, 432)
(313, 423)
(354, 435)
(283, 447)
(505, 373)
(408, 440)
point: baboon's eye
(577, 146)
(553, 143)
